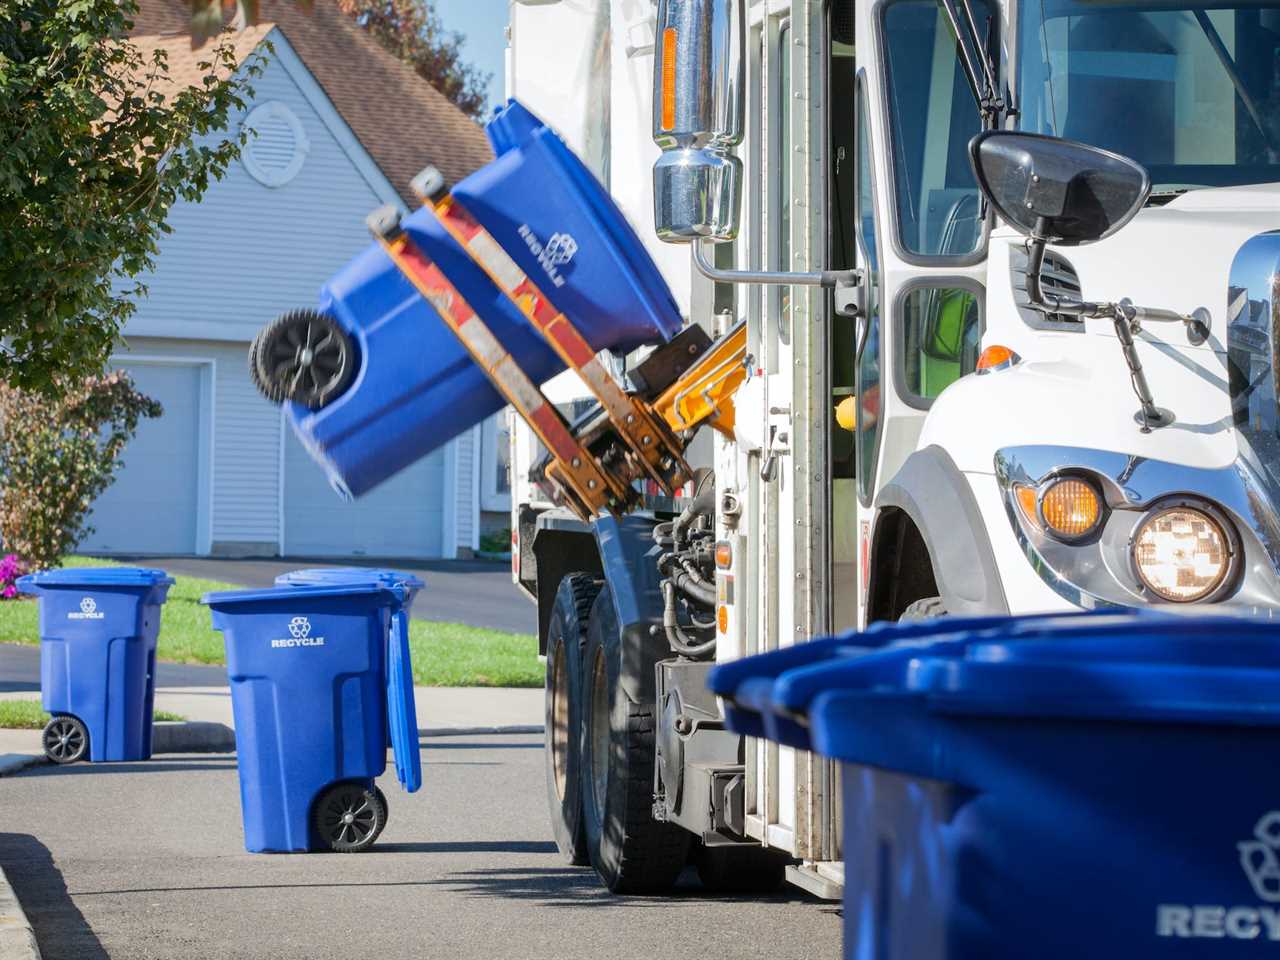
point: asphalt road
(146, 860)
(20, 671)
(478, 593)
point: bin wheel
(631, 851)
(386, 810)
(66, 739)
(566, 633)
(302, 356)
(349, 816)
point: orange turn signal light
(997, 357)
(724, 555)
(1071, 508)
(1026, 497)
(669, 78)
(722, 618)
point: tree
(57, 455)
(99, 144)
(410, 29)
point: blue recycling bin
(308, 691)
(98, 632)
(1094, 786)
(416, 386)
(402, 712)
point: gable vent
(277, 145)
(1057, 278)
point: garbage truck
(974, 313)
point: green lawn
(29, 715)
(444, 654)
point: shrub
(11, 568)
(57, 454)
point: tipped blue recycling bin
(1094, 786)
(416, 386)
(98, 632)
(402, 712)
(308, 690)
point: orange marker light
(669, 78)
(722, 618)
(1027, 504)
(1071, 508)
(724, 555)
(997, 356)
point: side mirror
(1059, 191)
(699, 83)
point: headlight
(1181, 554)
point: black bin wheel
(349, 816)
(303, 356)
(66, 739)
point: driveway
(478, 593)
(146, 860)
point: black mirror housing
(1060, 191)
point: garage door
(401, 518)
(153, 504)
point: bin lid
(288, 595)
(1116, 667)
(402, 712)
(327, 575)
(90, 577)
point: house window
(495, 463)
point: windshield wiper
(974, 54)
(1229, 65)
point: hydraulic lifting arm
(593, 465)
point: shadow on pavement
(60, 928)
(19, 686)
(574, 886)
(470, 846)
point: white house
(341, 128)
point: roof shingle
(402, 121)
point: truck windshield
(1191, 92)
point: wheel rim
(599, 731)
(63, 739)
(349, 818)
(307, 357)
(560, 723)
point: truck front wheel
(631, 852)
(566, 634)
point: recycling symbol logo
(560, 249)
(1260, 857)
(88, 605)
(299, 628)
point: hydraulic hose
(680, 641)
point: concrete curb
(204, 737)
(193, 736)
(17, 939)
(511, 728)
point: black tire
(631, 852)
(925, 608)
(348, 817)
(65, 739)
(566, 634)
(740, 869)
(303, 356)
(386, 811)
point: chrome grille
(1057, 278)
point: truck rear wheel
(566, 634)
(631, 852)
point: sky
(484, 24)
